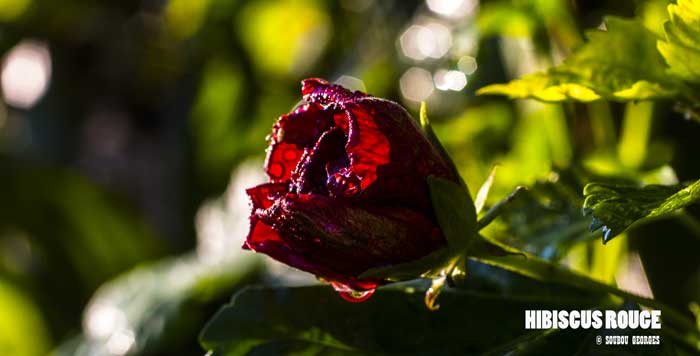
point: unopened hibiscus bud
(347, 188)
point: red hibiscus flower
(347, 188)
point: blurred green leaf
(215, 119)
(11, 9)
(22, 328)
(507, 19)
(184, 17)
(394, 321)
(70, 217)
(156, 308)
(621, 63)
(616, 207)
(284, 37)
(681, 50)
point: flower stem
(498, 208)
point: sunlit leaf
(681, 50)
(621, 63)
(483, 192)
(616, 207)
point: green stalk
(636, 129)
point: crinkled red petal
(291, 135)
(316, 90)
(263, 196)
(367, 147)
(341, 239)
(262, 238)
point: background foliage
(128, 130)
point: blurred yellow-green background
(128, 130)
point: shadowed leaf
(393, 322)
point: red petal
(392, 155)
(316, 90)
(341, 237)
(264, 195)
(367, 147)
(264, 239)
(261, 234)
(291, 134)
(313, 173)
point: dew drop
(290, 155)
(276, 170)
(351, 295)
(356, 296)
(344, 183)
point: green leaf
(616, 207)
(681, 50)
(159, 305)
(545, 219)
(454, 209)
(428, 129)
(23, 330)
(484, 190)
(393, 322)
(621, 63)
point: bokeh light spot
(450, 80)
(432, 40)
(452, 8)
(26, 72)
(467, 65)
(416, 84)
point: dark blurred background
(121, 124)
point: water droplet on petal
(351, 295)
(276, 170)
(290, 155)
